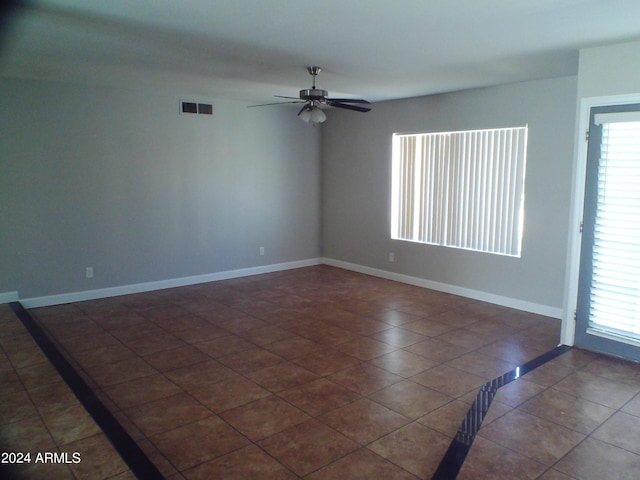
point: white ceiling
(254, 49)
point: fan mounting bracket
(313, 94)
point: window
(460, 189)
(615, 292)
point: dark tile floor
(39, 414)
(315, 373)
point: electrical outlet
(261, 251)
(88, 272)
(392, 257)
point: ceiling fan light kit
(314, 98)
(317, 115)
(312, 114)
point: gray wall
(606, 75)
(356, 186)
(120, 181)
(609, 70)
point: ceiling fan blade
(276, 103)
(348, 100)
(281, 96)
(347, 106)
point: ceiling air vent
(196, 107)
(205, 109)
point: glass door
(608, 309)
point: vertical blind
(615, 284)
(460, 189)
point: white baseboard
(537, 308)
(162, 284)
(213, 277)
(8, 297)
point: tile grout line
(128, 449)
(454, 458)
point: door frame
(568, 330)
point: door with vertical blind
(608, 308)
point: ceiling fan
(313, 98)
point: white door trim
(567, 333)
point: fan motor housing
(313, 94)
